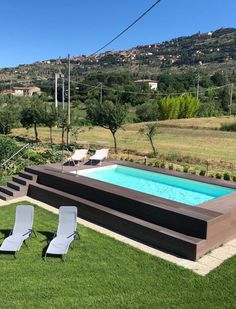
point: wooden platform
(175, 227)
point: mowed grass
(175, 137)
(101, 272)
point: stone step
(28, 176)
(8, 191)
(14, 185)
(5, 197)
(20, 180)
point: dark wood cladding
(116, 221)
(185, 230)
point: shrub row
(186, 169)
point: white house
(26, 91)
(151, 83)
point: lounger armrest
(73, 234)
(29, 232)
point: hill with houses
(208, 52)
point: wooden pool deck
(175, 227)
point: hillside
(208, 52)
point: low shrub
(202, 172)
(226, 176)
(157, 164)
(193, 172)
(234, 178)
(218, 176)
(185, 169)
(211, 176)
(171, 167)
(228, 127)
(162, 165)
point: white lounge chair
(78, 155)
(100, 155)
(66, 232)
(21, 231)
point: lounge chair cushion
(12, 243)
(59, 245)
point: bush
(202, 172)
(218, 176)
(193, 172)
(228, 127)
(185, 106)
(185, 169)
(147, 112)
(8, 147)
(162, 165)
(211, 175)
(226, 176)
(171, 167)
(234, 178)
(157, 164)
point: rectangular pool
(173, 188)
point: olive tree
(107, 115)
(150, 130)
(32, 116)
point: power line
(151, 93)
(126, 29)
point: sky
(33, 30)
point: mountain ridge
(209, 52)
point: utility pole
(100, 93)
(56, 101)
(231, 98)
(63, 92)
(198, 80)
(68, 103)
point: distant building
(151, 83)
(26, 91)
(7, 91)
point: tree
(7, 119)
(107, 115)
(185, 106)
(50, 119)
(147, 112)
(150, 130)
(31, 116)
(62, 123)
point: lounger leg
(26, 244)
(63, 258)
(45, 256)
(33, 232)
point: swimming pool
(174, 188)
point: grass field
(175, 138)
(101, 272)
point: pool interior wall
(161, 223)
(174, 188)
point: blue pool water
(169, 187)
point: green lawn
(103, 273)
